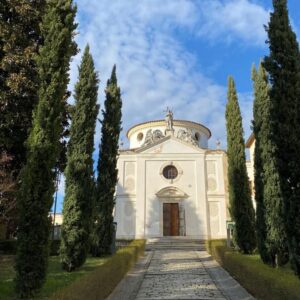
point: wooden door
(174, 219)
(170, 219)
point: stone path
(178, 270)
(177, 274)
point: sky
(177, 54)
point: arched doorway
(172, 211)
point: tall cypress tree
(37, 186)
(79, 173)
(271, 237)
(107, 169)
(241, 207)
(261, 97)
(283, 67)
(20, 40)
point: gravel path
(178, 271)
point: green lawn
(56, 278)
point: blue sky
(176, 53)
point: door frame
(161, 213)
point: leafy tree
(20, 39)
(283, 67)
(241, 208)
(79, 173)
(107, 169)
(37, 177)
(271, 237)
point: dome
(143, 134)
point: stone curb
(128, 287)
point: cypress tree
(20, 40)
(241, 208)
(37, 177)
(259, 106)
(283, 67)
(77, 211)
(271, 237)
(107, 169)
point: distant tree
(283, 67)
(7, 188)
(107, 169)
(37, 177)
(77, 210)
(241, 207)
(20, 39)
(270, 232)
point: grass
(98, 276)
(262, 281)
(56, 277)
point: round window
(197, 136)
(170, 172)
(140, 136)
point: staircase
(174, 243)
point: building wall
(138, 210)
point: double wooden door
(171, 219)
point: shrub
(101, 282)
(262, 281)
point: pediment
(171, 192)
(168, 145)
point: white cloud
(154, 68)
(228, 20)
(246, 106)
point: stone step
(174, 240)
(174, 243)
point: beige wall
(200, 185)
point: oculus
(170, 172)
(140, 136)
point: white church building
(170, 183)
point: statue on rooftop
(169, 120)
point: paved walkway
(178, 269)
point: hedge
(10, 247)
(100, 283)
(262, 281)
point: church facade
(170, 183)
